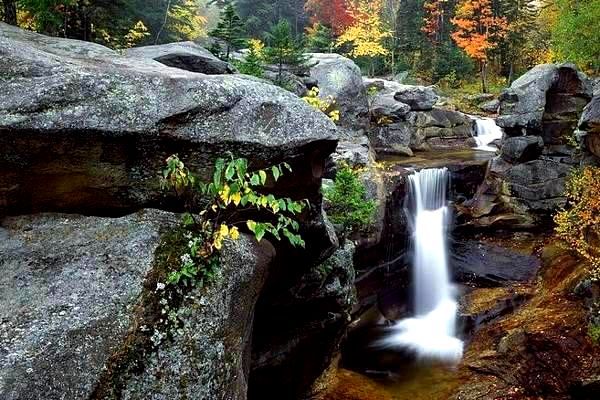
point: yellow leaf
(234, 233)
(236, 198)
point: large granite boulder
(539, 113)
(85, 130)
(340, 78)
(419, 98)
(183, 55)
(545, 101)
(589, 126)
(79, 306)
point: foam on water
(487, 132)
(431, 333)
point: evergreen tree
(319, 38)
(231, 30)
(261, 15)
(283, 49)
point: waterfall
(487, 132)
(431, 333)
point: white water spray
(431, 333)
(487, 132)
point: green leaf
(187, 219)
(230, 171)
(263, 177)
(276, 173)
(251, 225)
(255, 180)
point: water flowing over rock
(539, 113)
(188, 56)
(340, 78)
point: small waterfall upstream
(487, 132)
(431, 333)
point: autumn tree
(367, 33)
(433, 20)
(478, 32)
(331, 13)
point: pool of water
(412, 382)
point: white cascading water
(431, 333)
(487, 132)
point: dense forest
(431, 41)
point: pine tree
(319, 38)
(283, 49)
(231, 30)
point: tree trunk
(484, 88)
(10, 12)
(511, 72)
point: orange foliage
(332, 13)
(579, 224)
(434, 19)
(477, 29)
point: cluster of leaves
(578, 224)
(326, 105)
(232, 192)
(348, 205)
(367, 33)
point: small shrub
(327, 105)
(348, 203)
(578, 224)
(252, 64)
(233, 190)
(594, 333)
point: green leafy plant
(578, 224)
(594, 333)
(327, 105)
(252, 64)
(348, 205)
(233, 191)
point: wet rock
(521, 148)
(486, 264)
(188, 56)
(89, 134)
(287, 360)
(340, 78)
(79, 297)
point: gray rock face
(589, 126)
(188, 56)
(533, 100)
(522, 148)
(526, 183)
(85, 130)
(419, 98)
(400, 128)
(491, 106)
(77, 292)
(340, 78)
